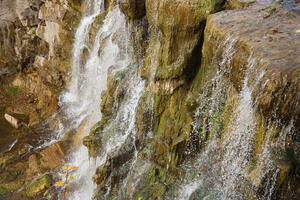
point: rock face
(35, 54)
(36, 47)
(227, 96)
(175, 36)
(255, 68)
(219, 116)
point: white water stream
(81, 102)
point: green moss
(229, 108)
(120, 75)
(3, 192)
(207, 7)
(39, 186)
(259, 138)
(155, 185)
(13, 90)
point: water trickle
(221, 166)
(238, 144)
(214, 95)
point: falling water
(226, 170)
(122, 127)
(210, 100)
(82, 100)
(75, 101)
(238, 144)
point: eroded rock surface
(184, 77)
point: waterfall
(210, 101)
(77, 101)
(223, 171)
(238, 144)
(81, 101)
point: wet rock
(114, 171)
(280, 74)
(102, 174)
(94, 141)
(177, 27)
(115, 91)
(34, 166)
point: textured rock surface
(177, 73)
(134, 9)
(35, 53)
(36, 46)
(181, 49)
(274, 50)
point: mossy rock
(153, 185)
(3, 192)
(38, 186)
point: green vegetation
(39, 186)
(13, 90)
(3, 192)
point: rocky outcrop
(257, 38)
(175, 36)
(221, 97)
(36, 45)
(193, 98)
(35, 54)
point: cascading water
(76, 102)
(82, 100)
(210, 102)
(224, 171)
(106, 52)
(238, 144)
